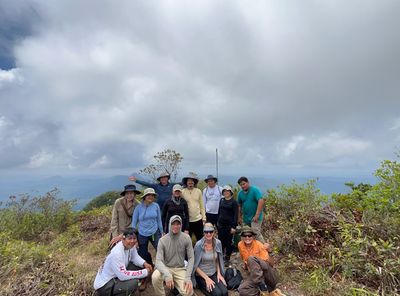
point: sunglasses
(209, 231)
(247, 235)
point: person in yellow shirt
(194, 199)
(262, 277)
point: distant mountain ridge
(85, 188)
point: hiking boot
(264, 290)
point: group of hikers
(168, 216)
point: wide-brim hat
(162, 176)
(247, 229)
(227, 187)
(210, 177)
(192, 176)
(149, 191)
(130, 187)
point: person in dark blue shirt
(163, 188)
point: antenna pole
(216, 161)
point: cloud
(292, 85)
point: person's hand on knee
(169, 284)
(188, 286)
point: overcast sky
(288, 87)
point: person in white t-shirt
(122, 268)
(212, 195)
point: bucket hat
(227, 187)
(192, 176)
(162, 175)
(247, 229)
(209, 177)
(130, 187)
(149, 191)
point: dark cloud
(105, 86)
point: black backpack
(233, 278)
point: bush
(104, 199)
(30, 218)
(295, 217)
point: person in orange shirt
(263, 277)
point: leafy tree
(167, 161)
(104, 199)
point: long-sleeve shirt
(171, 208)
(211, 199)
(164, 191)
(120, 220)
(194, 198)
(228, 213)
(115, 266)
(171, 252)
(147, 219)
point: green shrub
(294, 215)
(30, 218)
(104, 199)
(18, 255)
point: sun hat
(177, 187)
(247, 229)
(162, 175)
(209, 177)
(149, 191)
(227, 187)
(209, 227)
(192, 176)
(130, 187)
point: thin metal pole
(216, 160)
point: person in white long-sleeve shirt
(212, 195)
(122, 268)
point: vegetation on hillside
(105, 199)
(343, 244)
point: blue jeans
(144, 244)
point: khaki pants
(260, 272)
(256, 227)
(178, 275)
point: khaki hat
(192, 176)
(149, 191)
(177, 187)
(163, 175)
(247, 229)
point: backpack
(233, 278)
